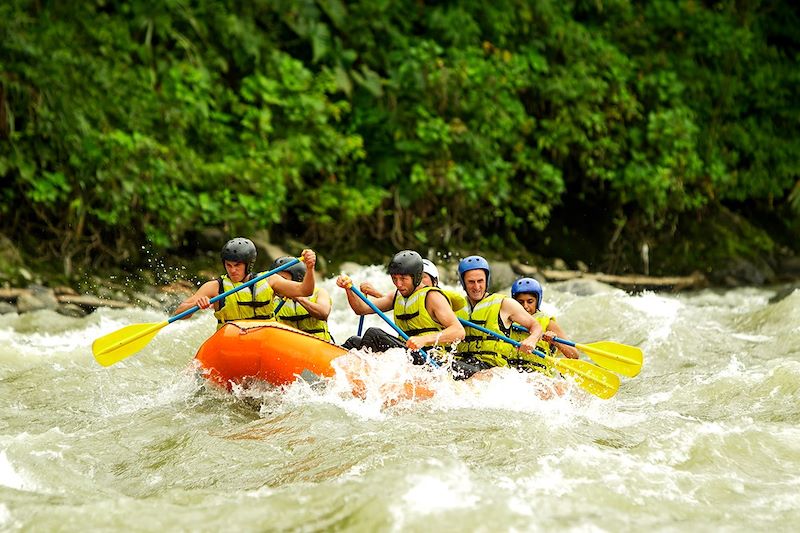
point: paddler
(238, 258)
(496, 312)
(528, 292)
(306, 313)
(430, 278)
(422, 312)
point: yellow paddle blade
(116, 346)
(621, 358)
(600, 382)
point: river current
(705, 438)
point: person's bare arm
(359, 307)
(201, 298)
(439, 308)
(369, 290)
(293, 289)
(554, 330)
(512, 311)
(320, 309)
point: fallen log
(92, 302)
(631, 281)
(12, 294)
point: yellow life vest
(456, 300)
(480, 345)
(411, 315)
(254, 302)
(295, 315)
(532, 361)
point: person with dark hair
(430, 278)
(529, 293)
(238, 259)
(306, 313)
(422, 312)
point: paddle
(280, 304)
(391, 323)
(621, 358)
(125, 342)
(600, 382)
(360, 325)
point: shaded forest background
(584, 130)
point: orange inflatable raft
(263, 350)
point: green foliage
(459, 124)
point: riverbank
(142, 290)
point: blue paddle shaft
(565, 341)
(390, 322)
(497, 335)
(235, 289)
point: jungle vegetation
(581, 129)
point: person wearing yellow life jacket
(255, 302)
(430, 278)
(496, 312)
(528, 292)
(308, 314)
(422, 312)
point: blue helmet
(528, 286)
(474, 262)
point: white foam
(751, 338)
(5, 515)
(659, 309)
(449, 487)
(11, 478)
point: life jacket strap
(412, 332)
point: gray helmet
(297, 271)
(407, 262)
(240, 250)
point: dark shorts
(375, 339)
(464, 368)
(379, 340)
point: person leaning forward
(430, 278)
(238, 258)
(308, 314)
(421, 312)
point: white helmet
(431, 270)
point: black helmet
(240, 250)
(297, 271)
(407, 262)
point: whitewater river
(705, 438)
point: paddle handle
(498, 336)
(280, 304)
(517, 327)
(360, 325)
(235, 289)
(564, 341)
(390, 322)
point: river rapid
(705, 438)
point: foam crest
(12, 478)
